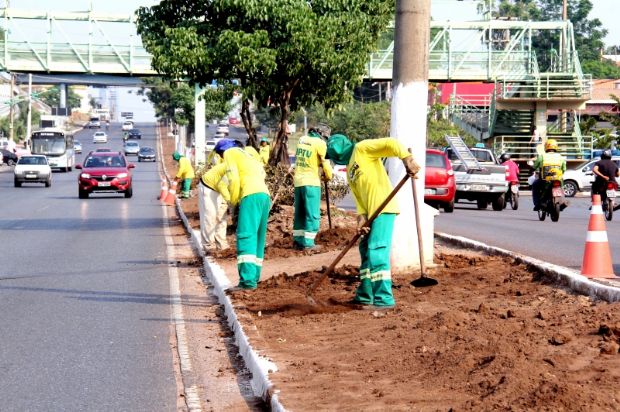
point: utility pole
(409, 107)
(564, 54)
(29, 120)
(12, 108)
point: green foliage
(436, 131)
(288, 54)
(20, 122)
(603, 69)
(51, 97)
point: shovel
(423, 280)
(352, 242)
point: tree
(285, 54)
(20, 121)
(51, 97)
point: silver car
(131, 148)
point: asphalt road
(559, 242)
(84, 295)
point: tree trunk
(279, 154)
(246, 117)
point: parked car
(105, 172)
(127, 125)
(134, 134)
(100, 137)
(8, 158)
(32, 169)
(131, 148)
(223, 129)
(146, 154)
(439, 182)
(77, 146)
(580, 178)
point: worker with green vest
(309, 161)
(185, 174)
(370, 186)
(247, 188)
(264, 150)
(550, 166)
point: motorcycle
(607, 199)
(512, 195)
(552, 201)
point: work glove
(411, 166)
(361, 221)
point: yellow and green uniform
(186, 172)
(550, 166)
(264, 153)
(212, 203)
(370, 186)
(247, 188)
(310, 155)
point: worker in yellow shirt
(264, 150)
(247, 188)
(213, 206)
(185, 174)
(309, 159)
(370, 186)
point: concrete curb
(562, 275)
(259, 366)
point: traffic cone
(164, 190)
(596, 256)
(171, 195)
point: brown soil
(490, 336)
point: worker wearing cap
(212, 204)
(185, 173)
(247, 188)
(370, 186)
(264, 150)
(309, 158)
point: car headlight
(122, 175)
(85, 176)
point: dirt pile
(491, 335)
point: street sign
(127, 115)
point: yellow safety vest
(552, 166)
(309, 156)
(245, 174)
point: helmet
(264, 139)
(504, 157)
(606, 154)
(176, 156)
(551, 144)
(223, 145)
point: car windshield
(146, 150)
(105, 161)
(32, 160)
(435, 160)
(99, 134)
(132, 144)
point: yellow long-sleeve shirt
(252, 152)
(309, 155)
(264, 153)
(245, 175)
(367, 177)
(186, 171)
(216, 179)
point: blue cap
(224, 145)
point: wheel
(83, 194)
(129, 193)
(17, 183)
(570, 188)
(554, 214)
(498, 203)
(70, 168)
(10, 162)
(48, 182)
(542, 215)
(609, 212)
(448, 207)
(65, 169)
(482, 204)
(139, 159)
(514, 201)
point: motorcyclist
(605, 171)
(512, 168)
(550, 166)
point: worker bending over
(370, 186)
(309, 157)
(247, 188)
(185, 174)
(213, 204)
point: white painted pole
(29, 118)
(409, 108)
(199, 126)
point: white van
(127, 125)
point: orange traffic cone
(164, 190)
(596, 256)
(171, 195)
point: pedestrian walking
(370, 186)
(535, 140)
(246, 185)
(213, 207)
(309, 157)
(184, 175)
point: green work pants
(376, 279)
(251, 233)
(185, 187)
(307, 215)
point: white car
(132, 148)
(580, 178)
(209, 145)
(127, 125)
(222, 128)
(32, 169)
(100, 137)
